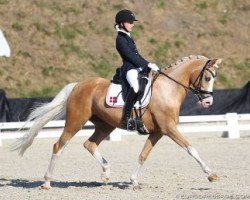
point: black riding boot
(128, 123)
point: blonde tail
(41, 115)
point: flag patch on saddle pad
(114, 96)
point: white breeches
(132, 78)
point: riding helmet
(125, 16)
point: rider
(133, 62)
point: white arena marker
(4, 46)
(115, 135)
(1, 143)
(233, 126)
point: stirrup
(141, 128)
(131, 125)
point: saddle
(117, 93)
(119, 88)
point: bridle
(197, 89)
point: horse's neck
(182, 74)
(178, 74)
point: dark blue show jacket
(131, 58)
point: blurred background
(57, 42)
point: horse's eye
(207, 78)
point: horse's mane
(185, 59)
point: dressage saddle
(143, 80)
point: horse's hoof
(213, 177)
(137, 187)
(104, 178)
(45, 187)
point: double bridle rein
(196, 90)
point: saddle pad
(114, 96)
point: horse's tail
(41, 115)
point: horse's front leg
(175, 135)
(149, 144)
(193, 152)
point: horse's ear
(218, 61)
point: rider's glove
(153, 66)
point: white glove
(153, 66)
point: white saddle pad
(114, 96)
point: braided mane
(185, 59)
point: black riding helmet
(125, 16)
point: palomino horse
(85, 101)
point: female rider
(133, 62)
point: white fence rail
(230, 123)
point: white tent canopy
(4, 46)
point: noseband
(197, 88)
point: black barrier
(21, 107)
(225, 101)
(5, 115)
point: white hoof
(137, 187)
(45, 186)
(104, 177)
(135, 183)
(105, 174)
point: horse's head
(204, 81)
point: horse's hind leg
(74, 123)
(102, 130)
(175, 135)
(57, 151)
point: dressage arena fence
(229, 124)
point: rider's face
(129, 26)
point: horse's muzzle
(206, 102)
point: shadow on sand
(21, 183)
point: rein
(196, 91)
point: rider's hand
(153, 66)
